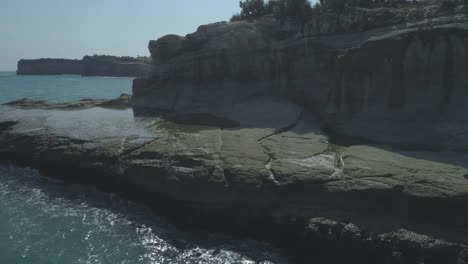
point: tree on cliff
(298, 9)
(252, 8)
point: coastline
(118, 162)
(341, 138)
(109, 66)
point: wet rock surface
(274, 177)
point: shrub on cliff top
(251, 9)
(124, 59)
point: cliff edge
(49, 67)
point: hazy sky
(73, 28)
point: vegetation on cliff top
(251, 9)
(302, 9)
(123, 59)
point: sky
(34, 29)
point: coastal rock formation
(89, 66)
(388, 76)
(49, 67)
(97, 66)
(280, 176)
(344, 135)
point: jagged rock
(324, 238)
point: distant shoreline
(96, 65)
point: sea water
(46, 221)
(60, 88)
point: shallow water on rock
(46, 221)
(85, 124)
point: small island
(95, 65)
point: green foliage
(252, 8)
(124, 59)
(298, 9)
(236, 17)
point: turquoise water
(59, 88)
(45, 221)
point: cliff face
(49, 67)
(98, 67)
(316, 133)
(387, 75)
(406, 87)
(89, 66)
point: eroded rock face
(227, 70)
(400, 81)
(326, 236)
(329, 138)
(405, 89)
(260, 173)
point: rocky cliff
(387, 75)
(49, 67)
(96, 66)
(342, 137)
(88, 66)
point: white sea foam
(46, 221)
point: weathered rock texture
(389, 75)
(355, 116)
(344, 135)
(271, 177)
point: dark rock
(6, 125)
(463, 258)
(88, 66)
(49, 67)
(337, 242)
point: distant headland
(95, 65)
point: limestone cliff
(88, 66)
(386, 75)
(49, 67)
(321, 134)
(97, 66)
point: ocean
(59, 88)
(46, 221)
